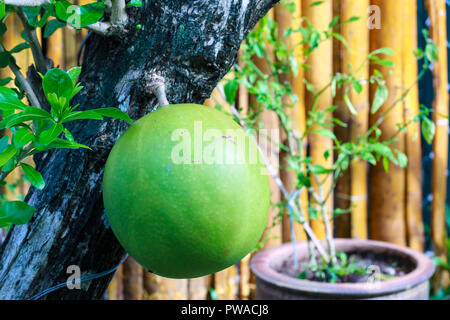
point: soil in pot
(354, 267)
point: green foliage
(35, 130)
(273, 93)
(343, 267)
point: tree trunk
(187, 42)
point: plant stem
(36, 48)
(23, 82)
(328, 230)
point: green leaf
(9, 100)
(428, 130)
(5, 81)
(20, 47)
(52, 26)
(80, 115)
(74, 74)
(402, 159)
(59, 82)
(22, 137)
(51, 134)
(62, 144)
(387, 51)
(319, 169)
(5, 58)
(386, 164)
(350, 106)
(7, 154)
(28, 113)
(2, 9)
(326, 133)
(32, 15)
(135, 3)
(33, 176)
(80, 17)
(230, 90)
(68, 135)
(384, 62)
(113, 113)
(16, 212)
(381, 95)
(4, 142)
(316, 3)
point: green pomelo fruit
(186, 192)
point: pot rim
(261, 266)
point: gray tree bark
(192, 44)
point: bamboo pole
(132, 280)
(321, 63)
(437, 13)
(198, 288)
(115, 288)
(357, 36)
(387, 190)
(226, 284)
(55, 48)
(343, 186)
(286, 20)
(414, 223)
(160, 288)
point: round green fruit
(186, 192)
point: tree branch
(36, 49)
(118, 14)
(23, 82)
(27, 3)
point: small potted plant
(329, 268)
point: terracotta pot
(271, 284)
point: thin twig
(35, 46)
(23, 82)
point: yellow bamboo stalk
(198, 288)
(55, 48)
(160, 288)
(342, 113)
(438, 32)
(245, 278)
(357, 36)
(387, 190)
(133, 276)
(226, 284)
(414, 223)
(321, 63)
(115, 288)
(286, 20)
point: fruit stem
(156, 86)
